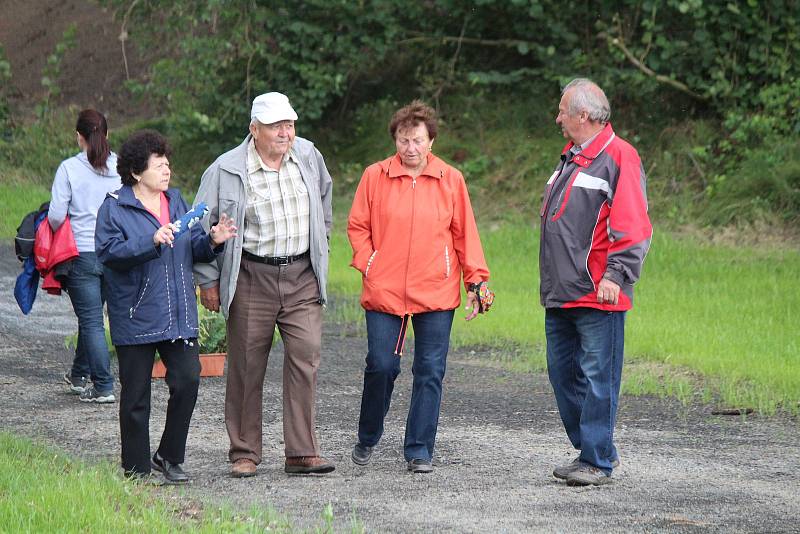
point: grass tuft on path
(42, 490)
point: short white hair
(587, 96)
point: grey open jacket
(224, 188)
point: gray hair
(588, 97)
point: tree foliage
(730, 61)
(218, 54)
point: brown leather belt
(275, 260)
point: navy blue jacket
(149, 289)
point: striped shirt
(277, 217)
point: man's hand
(209, 298)
(607, 292)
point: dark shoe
(361, 454)
(173, 473)
(92, 395)
(243, 467)
(420, 466)
(76, 385)
(307, 465)
(588, 475)
(563, 471)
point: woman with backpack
(79, 188)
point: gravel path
(683, 470)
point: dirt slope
(92, 73)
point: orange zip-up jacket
(413, 237)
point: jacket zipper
(410, 239)
(561, 195)
(175, 289)
(446, 262)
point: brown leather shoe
(243, 467)
(308, 465)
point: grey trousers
(267, 295)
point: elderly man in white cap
(278, 190)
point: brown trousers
(267, 295)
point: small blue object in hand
(189, 219)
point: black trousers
(182, 361)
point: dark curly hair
(135, 153)
(411, 115)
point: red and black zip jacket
(594, 224)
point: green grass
(727, 313)
(17, 200)
(708, 321)
(42, 490)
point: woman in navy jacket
(151, 299)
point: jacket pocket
(139, 298)
(369, 264)
(228, 206)
(300, 187)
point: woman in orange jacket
(413, 235)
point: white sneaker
(90, 394)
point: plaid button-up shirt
(277, 214)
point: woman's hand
(479, 299)
(164, 235)
(222, 231)
(473, 306)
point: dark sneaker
(173, 473)
(563, 471)
(420, 466)
(92, 395)
(76, 385)
(588, 475)
(361, 454)
(307, 465)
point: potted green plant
(213, 340)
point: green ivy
(52, 70)
(5, 89)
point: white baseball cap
(272, 107)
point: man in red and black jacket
(595, 233)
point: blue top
(149, 288)
(78, 190)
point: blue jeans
(431, 343)
(584, 363)
(85, 288)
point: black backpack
(26, 233)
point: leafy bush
(213, 335)
(764, 187)
(38, 147)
